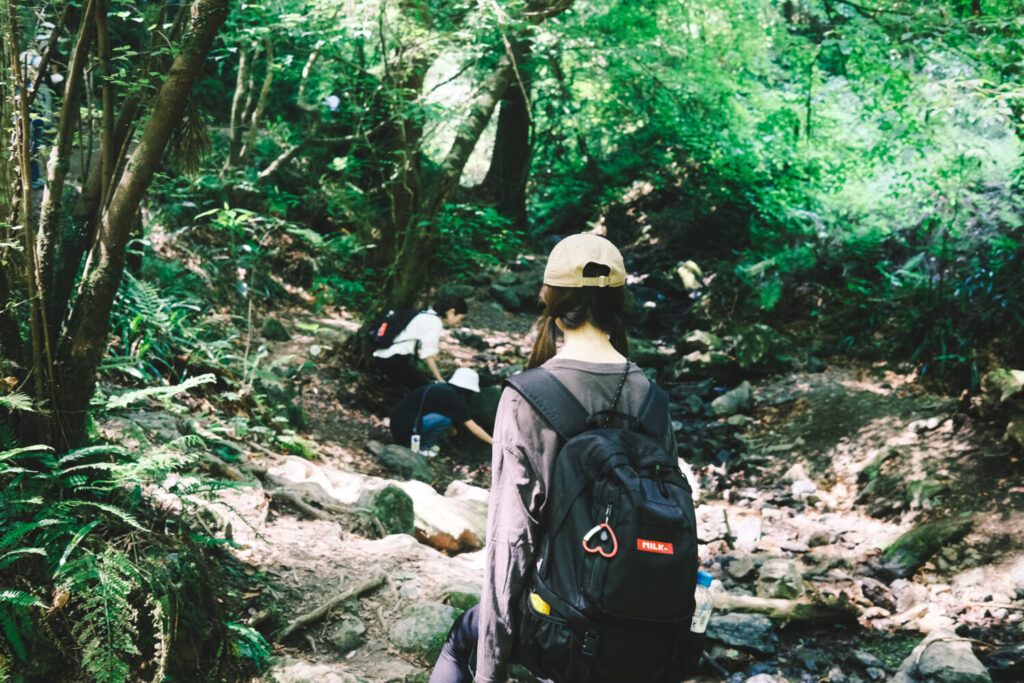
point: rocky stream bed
(859, 528)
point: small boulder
(698, 364)
(693, 405)
(780, 578)
(739, 400)
(748, 631)
(911, 550)
(462, 595)
(699, 340)
(689, 275)
(289, 670)
(743, 568)
(404, 461)
(943, 656)
(422, 629)
(347, 635)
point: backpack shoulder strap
(653, 413)
(552, 400)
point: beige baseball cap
(569, 257)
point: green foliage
(104, 623)
(150, 329)
(163, 393)
(71, 527)
(470, 236)
(249, 644)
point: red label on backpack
(653, 546)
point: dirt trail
(822, 428)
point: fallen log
(801, 610)
(322, 610)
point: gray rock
(273, 330)
(422, 629)
(693, 405)
(866, 660)
(700, 364)
(739, 400)
(914, 548)
(944, 656)
(347, 635)
(743, 568)
(288, 670)
(462, 595)
(402, 460)
(738, 421)
(699, 340)
(780, 578)
(803, 488)
(879, 594)
(748, 631)
(711, 523)
(908, 594)
(689, 275)
(509, 370)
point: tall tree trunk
(56, 174)
(238, 107)
(261, 104)
(89, 324)
(409, 271)
(505, 183)
(42, 368)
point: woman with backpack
(544, 540)
(416, 334)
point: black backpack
(385, 329)
(617, 562)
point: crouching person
(425, 414)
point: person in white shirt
(420, 338)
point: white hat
(465, 378)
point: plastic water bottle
(702, 597)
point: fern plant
(104, 622)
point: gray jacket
(524, 450)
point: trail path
(795, 491)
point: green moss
(393, 507)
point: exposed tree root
(322, 610)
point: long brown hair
(600, 306)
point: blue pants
(458, 656)
(433, 427)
